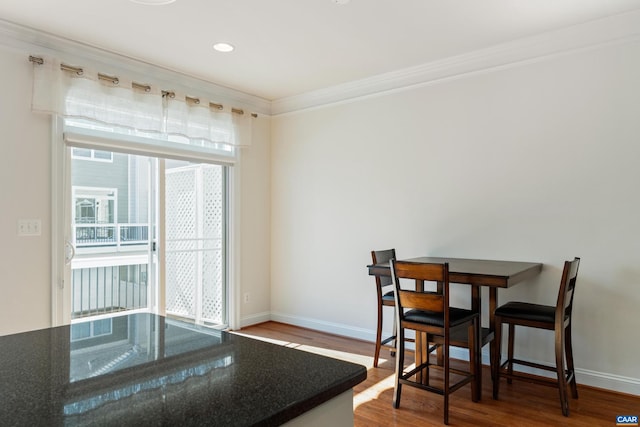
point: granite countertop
(143, 369)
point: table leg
(439, 352)
(493, 304)
(476, 305)
(420, 343)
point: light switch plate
(29, 227)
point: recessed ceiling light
(152, 2)
(340, 1)
(223, 47)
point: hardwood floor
(520, 404)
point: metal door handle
(69, 253)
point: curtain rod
(140, 86)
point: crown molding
(36, 42)
(617, 29)
(623, 28)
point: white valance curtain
(117, 102)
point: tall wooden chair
(430, 313)
(557, 319)
(384, 288)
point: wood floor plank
(520, 404)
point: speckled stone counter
(142, 369)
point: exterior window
(95, 210)
(96, 155)
(95, 215)
(83, 331)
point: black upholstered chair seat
(389, 297)
(528, 311)
(456, 316)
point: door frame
(61, 201)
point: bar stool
(557, 319)
(384, 290)
(430, 313)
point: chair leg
(498, 357)
(399, 367)
(475, 366)
(492, 357)
(439, 356)
(425, 373)
(376, 355)
(569, 354)
(512, 335)
(562, 380)
(395, 332)
(446, 382)
(446, 408)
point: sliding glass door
(143, 234)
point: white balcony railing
(108, 289)
(97, 235)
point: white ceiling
(290, 47)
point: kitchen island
(144, 369)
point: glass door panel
(112, 269)
(195, 212)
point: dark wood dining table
(476, 272)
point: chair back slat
(382, 257)
(421, 301)
(421, 271)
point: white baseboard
(607, 381)
(586, 377)
(254, 319)
(324, 326)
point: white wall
(535, 162)
(256, 226)
(25, 176)
(25, 192)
